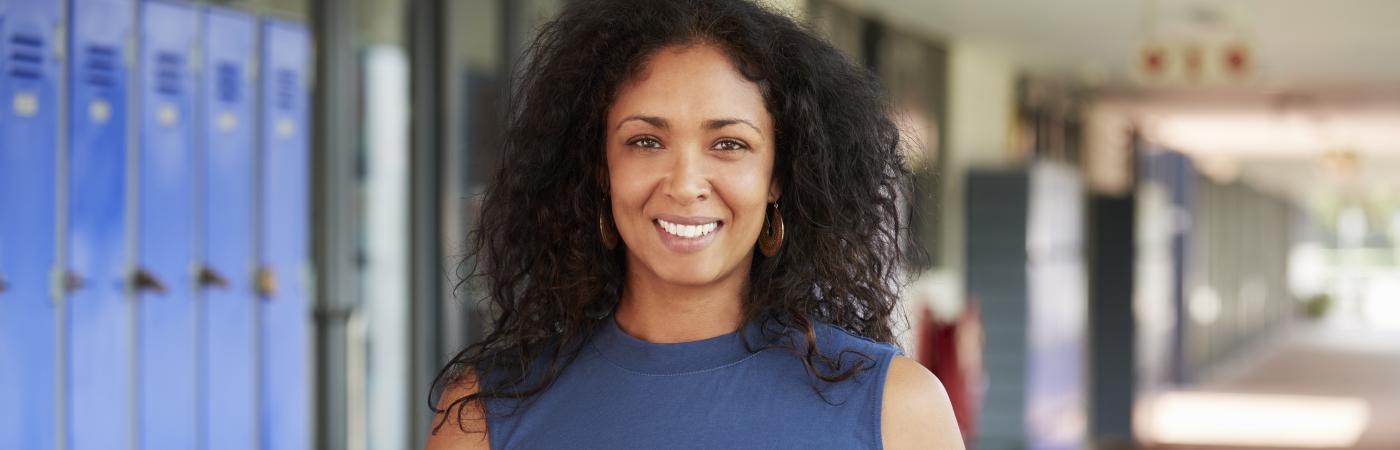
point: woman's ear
(774, 191)
(602, 175)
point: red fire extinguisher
(951, 348)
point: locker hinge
(131, 51)
(60, 42)
(196, 61)
(56, 288)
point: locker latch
(266, 282)
(146, 281)
(72, 282)
(4, 286)
(210, 278)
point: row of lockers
(153, 227)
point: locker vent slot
(168, 67)
(26, 56)
(228, 82)
(286, 89)
(101, 65)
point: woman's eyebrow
(715, 124)
(653, 120)
(712, 124)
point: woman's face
(690, 164)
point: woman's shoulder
(912, 404)
(845, 362)
(833, 338)
(915, 410)
(457, 424)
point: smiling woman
(693, 241)
(690, 169)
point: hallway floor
(1331, 385)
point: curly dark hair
(548, 277)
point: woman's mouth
(688, 231)
(687, 235)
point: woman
(693, 241)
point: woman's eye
(730, 144)
(645, 142)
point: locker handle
(4, 285)
(72, 282)
(208, 277)
(266, 282)
(147, 281)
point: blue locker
(228, 409)
(29, 75)
(285, 181)
(99, 399)
(165, 329)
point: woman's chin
(687, 274)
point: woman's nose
(688, 181)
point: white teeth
(688, 231)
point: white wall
(981, 108)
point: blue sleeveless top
(723, 392)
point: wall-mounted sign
(1194, 61)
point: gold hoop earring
(607, 231)
(771, 240)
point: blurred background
(1155, 223)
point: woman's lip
(686, 245)
(686, 220)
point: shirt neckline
(679, 358)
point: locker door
(229, 397)
(29, 74)
(283, 248)
(165, 252)
(99, 399)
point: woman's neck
(656, 311)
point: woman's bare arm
(471, 433)
(916, 413)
